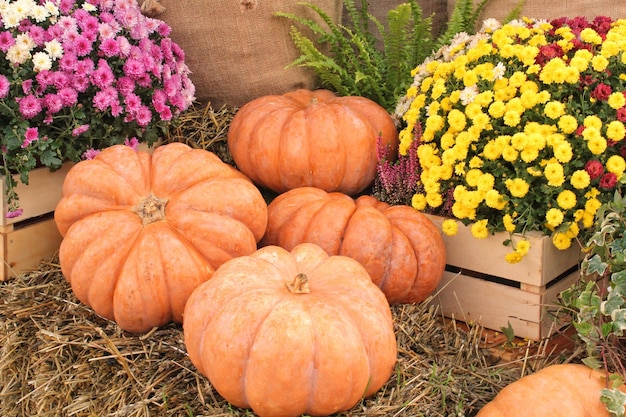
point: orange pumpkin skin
(142, 231)
(400, 248)
(564, 390)
(285, 352)
(310, 138)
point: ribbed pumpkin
(291, 333)
(563, 390)
(400, 248)
(142, 231)
(311, 138)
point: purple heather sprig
(80, 75)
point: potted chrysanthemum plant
(520, 128)
(80, 75)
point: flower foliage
(77, 76)
(522, 127)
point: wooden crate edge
(494, 305)
(23, 248)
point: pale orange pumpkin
(311, 138)
(563, 390)
(291, 333)
(142, 231)
(401, 249)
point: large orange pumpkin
(400, 248)
(142, 231)
(291, 333)
(311, 138)
(563, 390)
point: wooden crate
(33, 236)
(38, 198)
(480, 286)
(27, 244)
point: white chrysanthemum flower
(54, 49)
(491, 25)
(468, 94)
(41, 61)
(10, 18)
(23, 8)
(51, 8)
(17, 55)
(498, 71)
(25, 41)
(40, 14)
(89, 7)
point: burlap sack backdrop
(238, 50)
(552, 9)
(379, 9)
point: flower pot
(480, 286)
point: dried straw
(58, 358)
(204, 127)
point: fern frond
(515, 13)
(472, 19)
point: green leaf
(595, 265)
(615, 400)
(50, 159)
(619, 321)
(508, 332)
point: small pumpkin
(400, 248)
(311, 138)
(291, 333)
(562, 390)
(141, 231)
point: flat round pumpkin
(141, 231)
(400, 248)
(291, 333)
(311, 138)
(560, 390)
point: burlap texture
(237, 50)
(379, 9)
(552, 9)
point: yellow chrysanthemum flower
(450, 227)
(554, 217)
(513, 257)
(418, 201)
(522, 247)
(518, 187)
(616, 165)
(479, 229)
(616, 100)
(554, 109)
(566, 199)
(554, 173)
(561, 241)
(580, 179)
(615, 130)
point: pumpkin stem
(151, 209)
(300, 285)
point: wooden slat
(541, 265)
(25, 247)
(494, 305)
